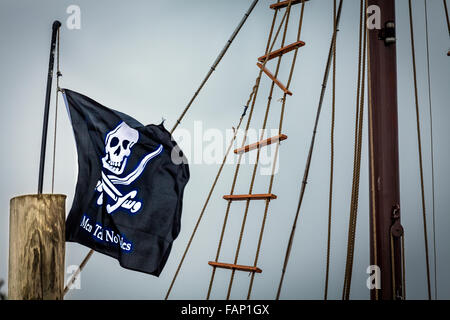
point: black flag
(131, 178)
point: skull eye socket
(114, 142)
(125, 144)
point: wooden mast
(386, 231)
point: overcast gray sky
(146, 58)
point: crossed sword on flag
(108, 185)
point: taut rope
(419, 145)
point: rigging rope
(311, 149)
(330, 197)
(431, 151)
(77, 272)
(419, 144)
(357, 152)
(212, 69)
(446, 15)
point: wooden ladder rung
(261, 143)
(270, 75)
(234, 266)
(242, 197)
(284, 4)
(282, 51)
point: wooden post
(36, 247)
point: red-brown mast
(386, 231)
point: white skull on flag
(118, 146)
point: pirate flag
(131, 178)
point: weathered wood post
(36, 247)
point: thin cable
(310, 153)
(419, 145)
(357, 155)
(330, 197)
(446, 15)
(432, 152)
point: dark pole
(386, 232)
(55, 27)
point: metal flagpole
(55, 28)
